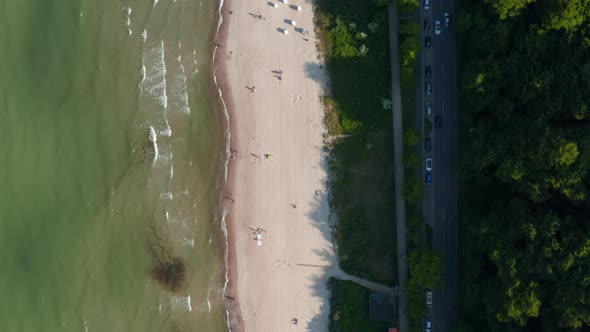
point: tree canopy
(524, 161)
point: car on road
(428, 298)
(437, 27)
(437, 121)
(428, 325)
(429, 164)
(426, 4)
(427, 25)
(428, 88)
(428, 107)
(427, 41)
(427, 72)
(427, 144)
(447, 19)
(428, 179)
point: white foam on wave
(154, 140)
(166, 131)
(155, 3)
(166, 155)
(142, 70)
(144, 36)
(167, 196)
(85, 326)
(154, 85)
(180, 90)
(188, 242)
(183, 302)
(175, 218)
(171, 171)
(128, 19)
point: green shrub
(353, 238)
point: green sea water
(110, 167)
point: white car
(447, 19)
(426, 4)
(429, 298)
(437, 27)
(429, 164)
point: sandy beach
(271, 84)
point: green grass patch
(355, 43)
(363, 198)
(349, 306)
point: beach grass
(355, 43)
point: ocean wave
(154, 85)
(154, 140)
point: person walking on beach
(294, 321)
(293, 205)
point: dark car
(427, 72)
(427, 41)
(428, 88)
(427, 24)
(437, 122)
(428, 179)
(427, 144)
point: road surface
(440, 199)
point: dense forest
(525, 155)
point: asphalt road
(440, 199)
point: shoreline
(225, 104)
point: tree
(416, 305)
(567, 15)
(509, 8)
(412, 190)
(407, 6)
(411, 160)
(522, 303)
(411, 138)
(427, 267)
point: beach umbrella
(275, 5)
(298, 8)
(285, 1)
(293, 23)
(285, 31)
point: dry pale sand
(286, 277)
